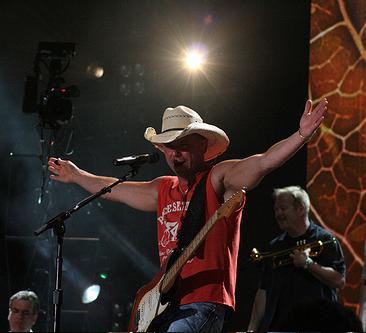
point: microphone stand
(58, 226)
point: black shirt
(287, 285)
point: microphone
(136, 159)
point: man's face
(21, 317)
(286, 213)
(186, 155)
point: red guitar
(149, 302)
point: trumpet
(282, 257)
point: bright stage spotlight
(195, 58)
(90, 294)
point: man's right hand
(139, 195)
(62, 170)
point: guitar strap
(195, 216)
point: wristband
(308, 262)
(305, 138)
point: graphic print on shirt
(170, 220)
(170, 233)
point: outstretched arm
(138, 195)
(231, 175)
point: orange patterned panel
(336, 177)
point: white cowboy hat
(181, 121)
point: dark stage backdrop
(255, 89)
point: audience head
(23, 311)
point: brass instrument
(282, 257)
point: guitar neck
(188, 252)
(225, 210)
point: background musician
(305, 278)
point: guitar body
(147, 305)
(150, 301)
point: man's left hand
(311, 119)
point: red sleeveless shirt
(210, 276)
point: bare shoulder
(232, 175)
(142, 195)
(219, 172)
(226, 167)
(221, 168)
(156, 182)
(150, 187)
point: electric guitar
(150, 301)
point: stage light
(56, 109)
(94, 71)
(125, 89)
(53, 104)
(132, 83)
(90, 294)
(125, 71)
(138, 87)
(139, 70)
(195, 58)
(56, 50)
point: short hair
(26, 295)
(300, 195)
